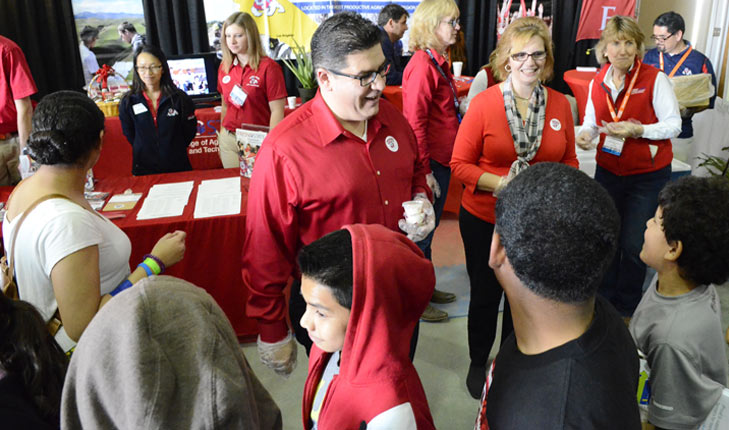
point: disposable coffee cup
(457, 68)
(291, 101)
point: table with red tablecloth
(213, 246)
(116, 154)
(579, 83)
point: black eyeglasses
(453, 22)
(153, 69)
(368, 77)
(522, 56)
(661, 38)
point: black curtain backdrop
(478, 20)
(176, 26)
(45, 31)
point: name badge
(238, 96)
(613, 145)
(139, 108)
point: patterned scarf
(527, 137)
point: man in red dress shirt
(345, 157)
(16, 87)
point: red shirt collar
(330, 128)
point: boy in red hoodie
(365, 287)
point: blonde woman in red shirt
(507, 128)
(251, 85)
(430, 106)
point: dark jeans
(297, 307)
(486, 292)
(443, 177)
(636, 198)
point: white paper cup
(413, 211)
(291, 101)
(457, 68)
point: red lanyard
(675, 68)
(617, 117)
(153, 109)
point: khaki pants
(228, 149)
(9, 152)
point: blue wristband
(123, 286)
(146, 269)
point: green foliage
(304, 68)
(717, 166)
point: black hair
(89, 34)
(696, 212)
(328, 261)
(672, 21)
(391, 12)
(126, 26)
(559, 229)
(167, 87)
(66, 127)
(29, 353)
(339, 36)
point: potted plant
(304, 72)
(716, 166)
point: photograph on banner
(509, 10)
(283, 23)
(100, 41)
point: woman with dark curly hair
(69, 260)
(32, 368)
(157, 118)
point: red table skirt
(213, 246)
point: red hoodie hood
(393, 284)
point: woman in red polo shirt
(430, 106)
(507, 128)
(251, 85)
(637, 112)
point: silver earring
(507, 68)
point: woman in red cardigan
(507, 128)
(431, 108)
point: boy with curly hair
(677, 324)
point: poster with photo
(100, 42)
(282, 22)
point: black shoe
(475, 380)
(442, 297)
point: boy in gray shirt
(677, 324)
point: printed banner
(285, 22)
(596, 13)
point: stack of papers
(166, 200)
(217, 197)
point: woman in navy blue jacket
(157, 118)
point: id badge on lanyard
(613, 144)
(238, 96)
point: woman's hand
(584, 140)
(170, 248)
(624, 129)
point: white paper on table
(223, 185)
(218, 197)
(165, 200)
(217, 204)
